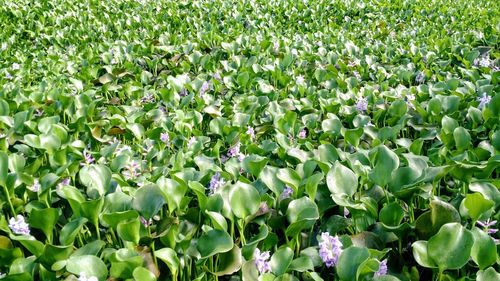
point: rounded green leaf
(349, 261)
(70, 231)
(476, 205)
(214, 242)
(462, 138)
(148, 200)
(45, 220)
(244, 200)
(342, 181)
(169, 257)
(97, 179)
(90, 265)
(229, 262)
(280, 260)
(421, 255)
(484, 250)
(386, 162)
(142, 274)
(450, 248)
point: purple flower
(300, 80)
(330, 248)
(217, 76)
(262, 261)
(205, 87)
(346, 212)
(38, 112)
(133, 170)
(8, 76)
(191, 141)
(287, 192)
(15, 66)
(223, 158)
(63, 183)
(484, 100)
(35, 187)
(87, 158)
(484, 61)
(148, 98)
(165, 138)
(183, 93)
(19, 226)
(362, 104)
(215, 183)
(356, 74)
(420, 79)
(276, 47)
(234, 151)
(251, 132)
(382, 268)
(145, 222)
(302, 134)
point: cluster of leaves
(173, 140)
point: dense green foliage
(249, 140)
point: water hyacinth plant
(249, 140)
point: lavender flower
(484, 61)
(217, 76)
(87, 158)
(262, 261)
(420, 79)
(133, 170)
(382, 268)
(205, 87)
(19, 226)
(215, 183)
(484, 100)
(183, 93)
(302, 134)
(346, 212)
(287, 192)
(145, 222)
(330, 248)
(191, 141)
(362, 104)
(300, 80)
(234, 151)
(35, 187)
(409, 99)
(8, 76)
(15, 66)
(122, 149)
(251, 132)
(148, 98)
(356, 74)
(165, 138)
(83, 277)
(63, 183)
(223, 158)
(487, 226)
(276, 47)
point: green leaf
(97, 179)
(172, 191)
(70, 231)
(4, 168)
(90, 265)
(489, 274)
(218, 221)
(421, 254)
(476, 205)
(450, 248)
(214, 242)
(44, 219)
(142, 274)
(281, 260)
(169, 257)
(289, 177)
(229, 262)
(431, 221)
(301, 264)
(391, 214)
(302, 213)
(148, 200)
(484, 250)
(244, 200)
(386, 162)
(341, 181)
(254, 164)
(349, 261)
(129, 230)
(353, 136)
(462, 138)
